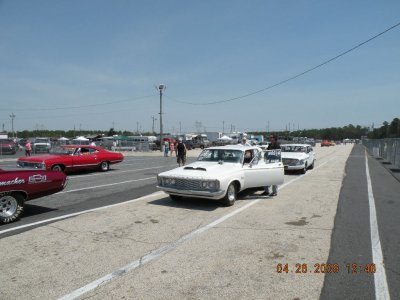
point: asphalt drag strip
(224, 253)
(358, 236)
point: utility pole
(223, 127)
(161, 88)
(180, 127)
(12, 116)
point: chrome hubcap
(8, 206)
(231, 193)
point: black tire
(312, 165)
(304, 170)
(11, 207)
(231, 195)
(104, 166)
(175, 197)
(201, 147)
(57, 168)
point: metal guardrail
(387, 149)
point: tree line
(387, 130)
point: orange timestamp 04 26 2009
(326, 268)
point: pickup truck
(200, 142)
(41, 145)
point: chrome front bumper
(194, 193)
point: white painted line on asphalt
(169, 247)
(381, 285)
(156, 194)
(104, 185)
(117, 172)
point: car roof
(296, 145)
(79, 146)
(234, 147)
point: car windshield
(293, 149)
(6, 141)
(41, 141)
(62, 150)
(225, 155)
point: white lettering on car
(12, 182)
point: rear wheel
(104, 166)
(175, 197)
(230, 196)
(304, 170)
(312, 165)
(11, 207)
(57, 168)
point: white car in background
(298, 157)
(221, 172)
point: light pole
(12, 116)
(153, 123)
(161, 88)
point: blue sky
(94, 64)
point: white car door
(311, 155)
(265, 169)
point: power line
(295, 76)
(81, 106)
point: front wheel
(230, 196)
(175, 197)
(57, 168)
(312, 165)
(11, 207)
(104, 166)
(304, 170)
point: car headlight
(210, 184)
(41, 166)
(300, 162)
(169, 181)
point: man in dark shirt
(181, 153)
(273, 138)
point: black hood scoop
(198, 168)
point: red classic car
(72, 158)
(8, 146)
(18, 186)
(326, 143)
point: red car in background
(71, 158)
(8, 146)
(326, 143)
(18, 186)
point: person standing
(28, 148)
(166, 148)
(181, 153)
(245, 142)
(273, 139)
(172, 148)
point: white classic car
(298, 157)
(222, 172)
